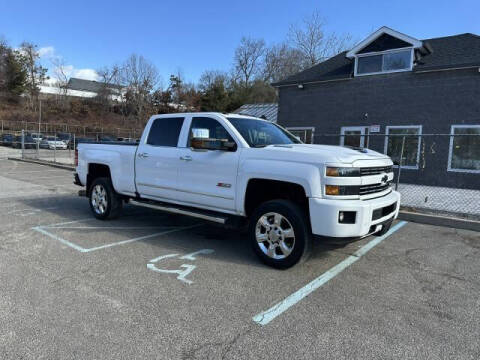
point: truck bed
(119, 157)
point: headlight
(343, 171)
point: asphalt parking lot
(152, 285)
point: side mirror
(228, 145)
(212, 144)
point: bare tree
(36, 72)
(281, 61)
(311, 39)
(209, 78)
(111, 88)
(248, 59)
(61, 74)
(140, 76)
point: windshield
(259, 133)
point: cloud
(87, 74)
(46, 52)
(50, 54)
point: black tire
(385, 228)
(114, 202)
(296, 218)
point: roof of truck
(204, 114)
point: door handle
(186, 158)
(143, 155)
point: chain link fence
(56, 148)
(93, 132)
(54, 142)
(438, 173)
(435, 173)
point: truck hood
(310, 153)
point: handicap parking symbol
(185, 270)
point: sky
(193, 36)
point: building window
(411, 149)
(464, 153)
(386, 62)
(304, 134)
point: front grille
(366, 171)
(382, 212)
(373, 188)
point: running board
(182, 211)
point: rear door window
(165, 131)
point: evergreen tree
(16, 74)
(13, 74)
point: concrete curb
(438, 220)
(46, 163)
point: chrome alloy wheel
(275, 235)
(99, 199)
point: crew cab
(243, 171)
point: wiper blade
(259, 146)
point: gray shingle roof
(446, 52)
(452, 51)
(269, 111)
(88, 85)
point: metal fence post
(55, 148)
(70, 146)
(38, 145)
(400, 164)
(74, 147)
(23, 144)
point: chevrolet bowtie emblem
(385, 178)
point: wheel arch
(95, 171)
(260, 190)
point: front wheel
(105, 203)
(280, 234)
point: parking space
(154, 285)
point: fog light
(347, 217)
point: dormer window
(384, 62)
(384, 51)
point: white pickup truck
(239, 170)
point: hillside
(80, 116)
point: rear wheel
(280, 234)
(105, 203)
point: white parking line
(139, 238)
(31, 171)
(266, 316)
(43, 230)
(53, 177)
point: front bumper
(324, 215)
